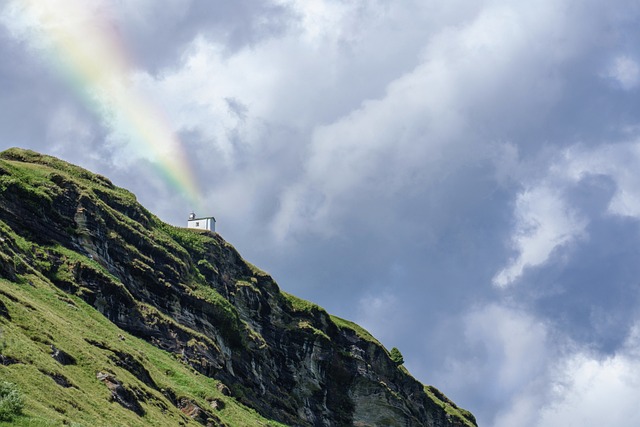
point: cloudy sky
(460, 177)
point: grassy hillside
(36, 317)
(110, 317)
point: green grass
(462, 415)
(359, 330)
(304, 324)
(39, 178)
(197, 241)
(299, 305)
(42, 176)
(11, 401)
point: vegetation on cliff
(111, 317)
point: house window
(197, 224)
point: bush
(396, 356)
(11, 401)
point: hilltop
(111, 317)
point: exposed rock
(4, 312)
(131, 364)
(128, 362)
(8, 360)
(195, 412)
(120, 393)
(62, 357)
(223, 389)
(170, 395)
(59, 379)
(216, 404)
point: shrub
(11, 401)
(396, 356)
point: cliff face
(192, 295)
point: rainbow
(98, 66)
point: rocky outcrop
(190, 293)
(119, 393)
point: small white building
(206, 223)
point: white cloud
(320, 19)
(428, 120)
(196, 95)
(596, 392)
(575, 386)
(625, 71)
(539, 377)
(508, 338)
(544, 222)
(580, 388)
(510, 354)
(367, 108)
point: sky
(462, 178)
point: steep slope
(171, 325)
